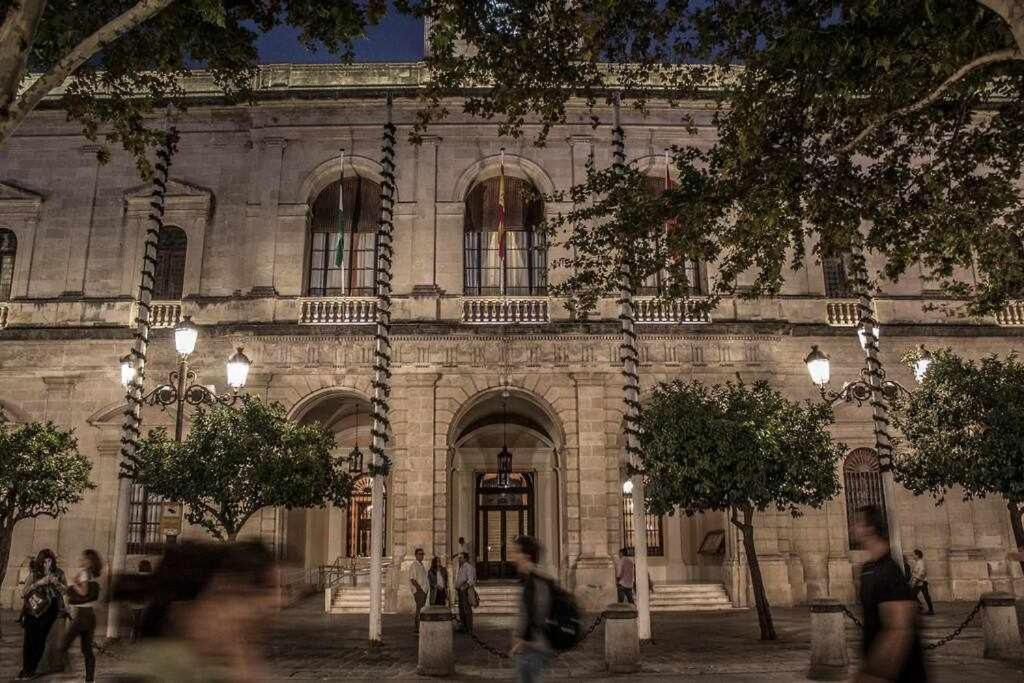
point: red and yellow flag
(501, 210)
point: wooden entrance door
(502, 514)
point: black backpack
(563, 627)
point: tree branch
(1008, 55)
(78, 56)
(16, 36)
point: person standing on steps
(83, 595)
(625, 577)
(418, 582)
(438, 578)
(919, 580)
(892, 647)
(530, 645)
(465, 586)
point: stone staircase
(690, 597)
(352, 600)
(498, 598)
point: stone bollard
(829, 659)
(999, 622)
(435, 649)
(621, 641)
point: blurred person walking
(625, 577)
(42, 604)
(206, 606)
(530, 645)
(892, 647)
(83, 594)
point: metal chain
(504, 655)
(852, 616)
(483, 644)
(958, 631)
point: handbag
(474, 597)
(37, 602)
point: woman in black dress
(437, 576)
(43, 602)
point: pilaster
(268, 158)
(79, 244)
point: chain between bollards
(939, 643)
(484, 645)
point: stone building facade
(241, 256)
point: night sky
(398, 38)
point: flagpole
(339, 254)
(501, 221)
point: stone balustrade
(654, 310)
(346, 310)
(501, 310)
(1012, 315)
(842, 313)
(164, 314)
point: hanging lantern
(504, 466)
(355, 458)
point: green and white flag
(339, 254)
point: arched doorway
(488, 510)
(320, 536)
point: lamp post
(181, 388)
(875, 389)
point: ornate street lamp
(504, 455)
(127, 371)
(819, 368)
(355, 458)
(818, 365)
(238, 369)
(186, 334)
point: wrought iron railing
(501, 310)
(345, 310)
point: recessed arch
(330, 170)
(490, 167)
(543, 418)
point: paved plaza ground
(304, 644)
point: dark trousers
(36, 630)
(465, 609)
(83, 626)
(440, 597)
(625, 594)
(923, 588)
(421, 599)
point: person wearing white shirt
(465, 582)
(919, 579)
(418, 582)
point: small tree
(41, 474)
(234, 462)
(965, 427)
(737, 447)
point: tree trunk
(1017, 526)
(232, 535)
(16, 37)
(764, 614)
(6, 539)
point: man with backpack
(548, 616)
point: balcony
(842, 313)
(1011, 316)
(504, 310)
(650, 310)
(163, 314)
(342, 310)
(4, 312)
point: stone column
(435, 646)
(588, 484)
(78, 254)
(423, 256)
(268, 158)
(829, 658)
(621, 641)
(999, 623)
(413, 399)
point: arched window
(836, 270)
(360, 508)
(523, 271)
(352, 230)
(655, 535)
(170, 264)
(8, 250)
(862, 480)
(696, 271)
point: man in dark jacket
(892, 648)
(530, 645)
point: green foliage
(736, 446)
(835, 126)
(964, 427)
(114, 95)
(42, 473)
(236, 461)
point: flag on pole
(339, 254)
(501, 209)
